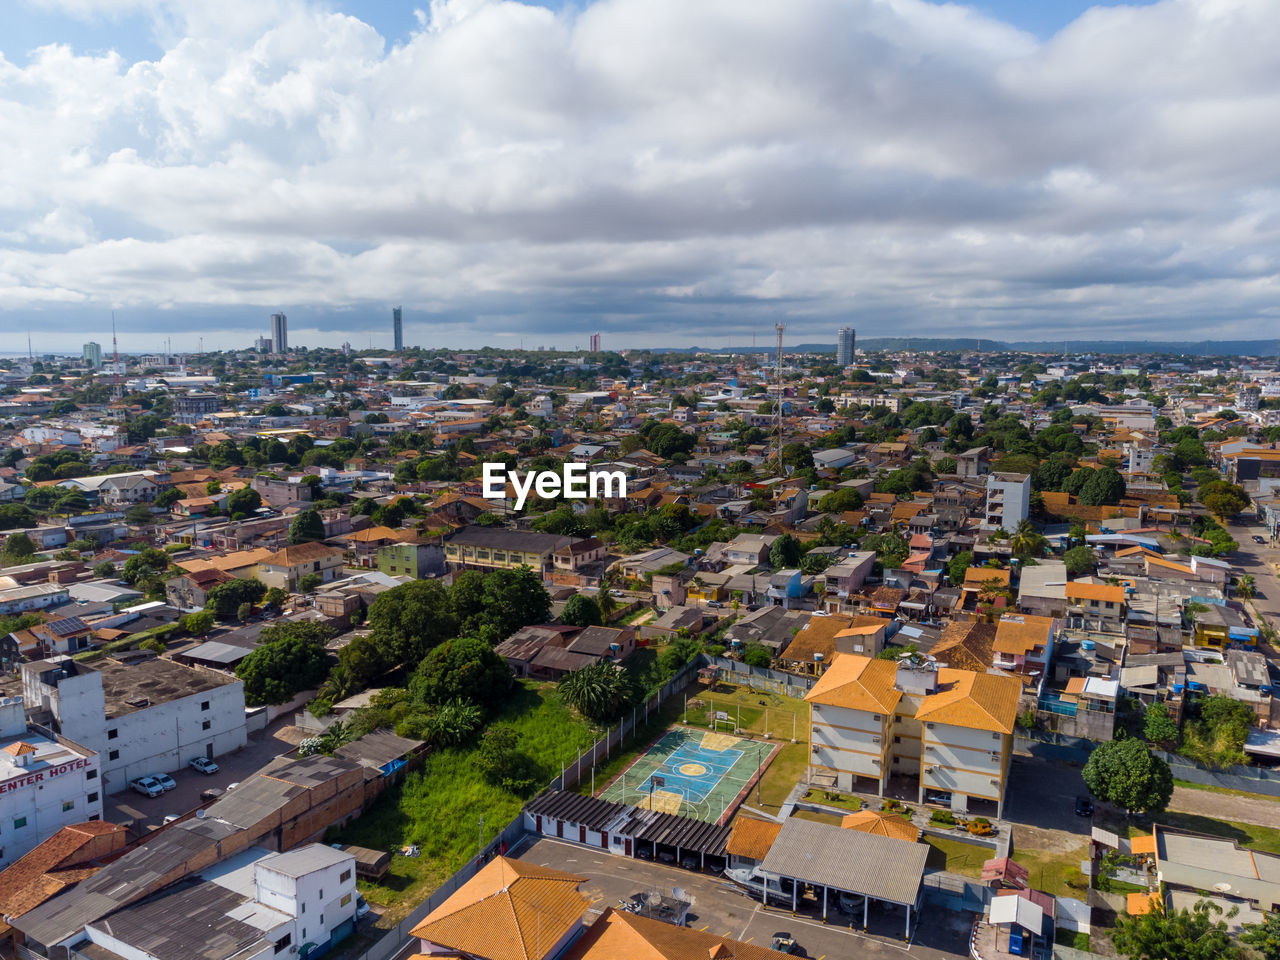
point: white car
(203, 764)
(166, 782)
(147, 786)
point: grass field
(1056, 873)
(1265, 839)
(818, 817)
(440, 807)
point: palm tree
(598, 691)
(1247, 587)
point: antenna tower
(117, 386)
(777, 406)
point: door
(582, 833)
(560, 828)
(628, 841)
(537, 822)
(208, 751)
(604, 839)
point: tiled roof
(979, 701)
(752, 838)
(1021, 633)
(52, 866)
(858, 683)
(1079, 590)
(510, 910)
(884, 825)
(819, 633)
(618, 935)
(300, 553)
(965, 644)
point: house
(66, 635)
(975, 462)
(966, 645)
(410, 557)
(749, 548)
(190, 591)
(510, 910)
(1096, 606)
(786, 587)
(619, 934)
(825, 635)
(1008, 500)
(496, 548)
(949, 730)
(573, 557)
(285, 568)
(1024, 645)
(521, 648)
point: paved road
(720, 908)
(1263, 562)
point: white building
(539, 406)
(1008, 500)
(46, 783)
(35, 596)
(92, 353)
(846, 339)
(151, 716)
(256, 905)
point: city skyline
(909, 168)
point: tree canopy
(291, 657)
(1127, 774)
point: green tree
(290, 657)
(1079, 560)
(105, 570)
(958, 566)
(1158, 726)
(677, 653)
(308, 582)
(513, 599)
(1264, 937)
(168, 497)
(225, 599)
(464, 668)
(408, 621)
(16, 516)
(1104, 488)
(1224, 500)
(307, 527)
(145, 565)
(757, 655)
(785, 552)
(18, 548)
(198, 624)
(840, 501)
(1127, 774)
(1194, 934)
(241, 503)
(139, 514)
(276, 597)
(598, 691)
(581, 611)
(503, 763)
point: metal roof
(882, 868)
(677, 831)
(595, 813)
(216, 652)
(304, 860)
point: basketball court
(696, 773)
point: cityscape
(639, 481)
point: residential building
(286, 567)
(948, 730)
(1008, 500)
(846, 340)
(397, 329)
(47, 782)
(279, 333)
(190, 407)
(92, 353)
(150, 716)
(410, 558)
(1097, 606)
(1024, 645)
(618, 933)
(496, 548)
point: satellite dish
(653, 898)
(1222, 887)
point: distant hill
(1200, 348)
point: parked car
(165, 781)
(937, 796)
(213, 793)
(689, 862)
(783, 942)
(362, 907)
(1084, 807)
(203, 765)
(147, 786)
(1258, 539)
(170, 817)
(714, 603)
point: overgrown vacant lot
(439, 807)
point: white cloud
(661, 165)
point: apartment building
(1008, 500)
(148, 716)
(934, 729)
(496, 548)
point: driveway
(147, 813)
(720, 908)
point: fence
(762, 678)
(572, 773)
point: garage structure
(833, 859)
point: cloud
(667, 172)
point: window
(68, 805)
(91, 775)
(344, 876)
(304, 910)
(284, 942)
(1110, 605)
(204, 704)
(93, 798)
(113, 733)
(19, 822)
(113, 755)
(345, 900)
(205, 725)
(876, 718)
(995, 736)
(897, 739)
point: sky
(663, 172)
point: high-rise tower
(279, 333)
(845, 341)
(397, 327)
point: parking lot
(721, 908)
(147, 813)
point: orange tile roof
(510, 910)
(858, 683)
(54, 865)
(625, 936)
(1146, 843)
(19, 748)
(965, 644)
(818, 635)
(979, 701)
(1022, 633)
(881, 824)
(301, 553)
(1075, 685)
(1079, 590)
(752, 838)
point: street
(1260, 561)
